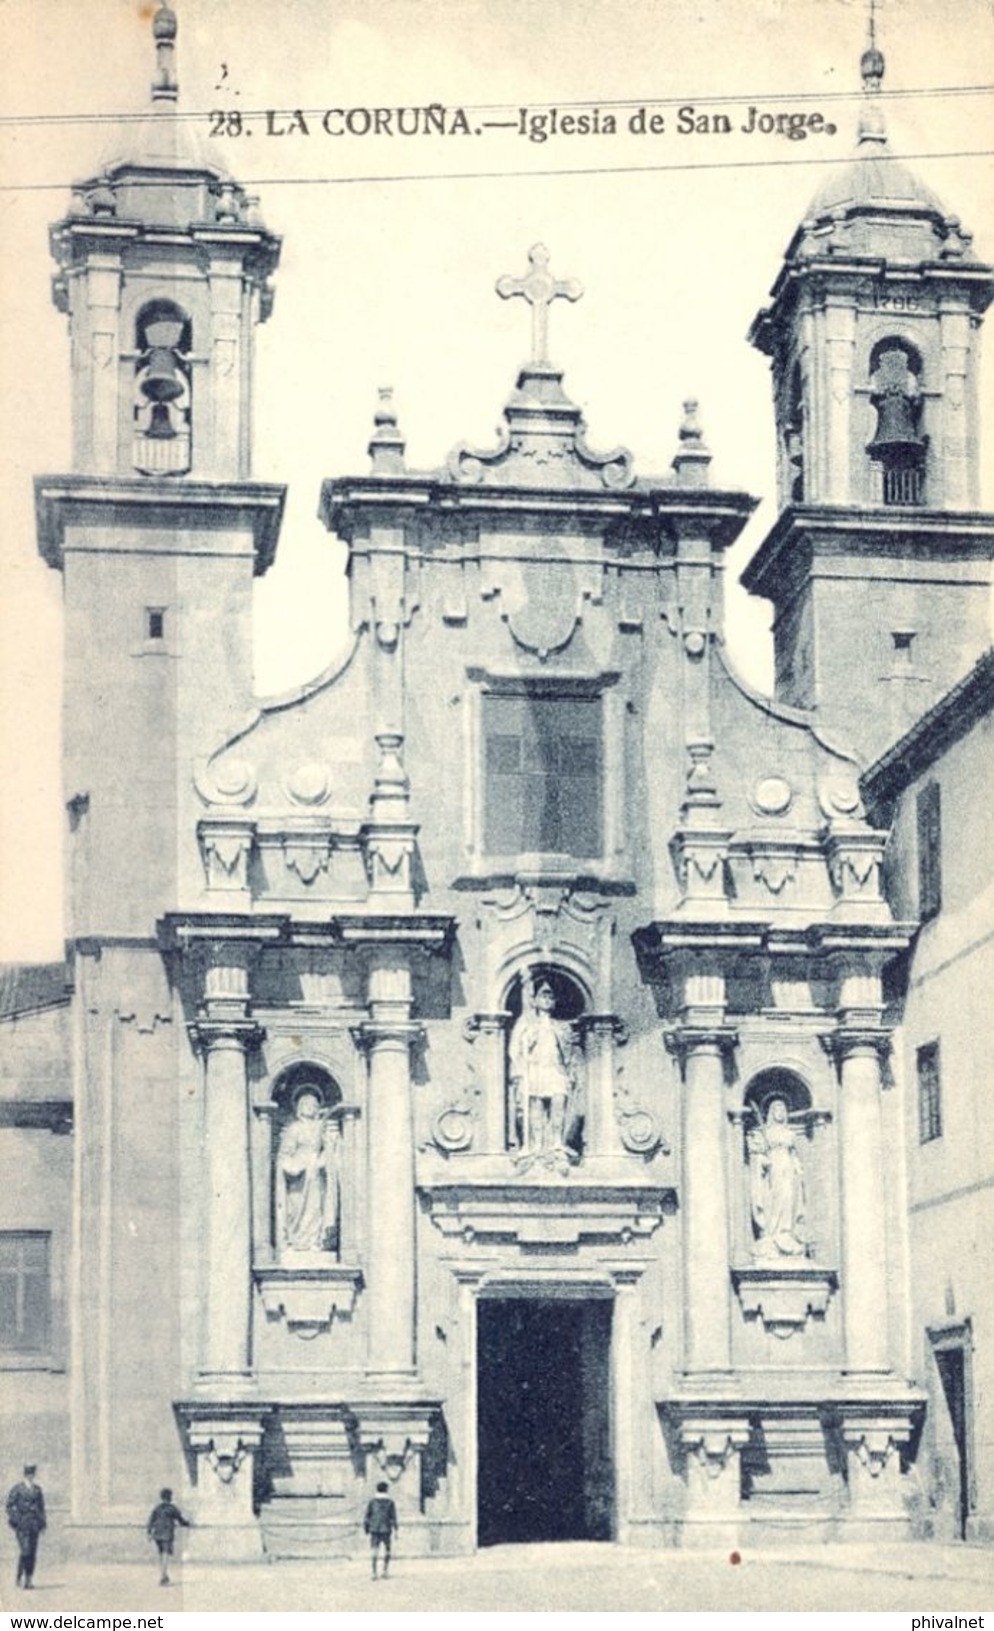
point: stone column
(858, 1053)
(391, 1279)
(226, 1033)
(702, 1051)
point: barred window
(25, 1292)
(543, 759)
(929, 1094)
(929, 850)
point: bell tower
(163, 273)
(163, 269)
(878, 563)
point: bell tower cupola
(163, 274)
(873, 336)
(879, 559)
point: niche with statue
(307, 1168)
(545, 1069)
(785, 1224)
(311, 1222)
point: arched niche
(545, 1073)
(777, 1082)
(307, 1165)
(898, 446)
(778, 1124)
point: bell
(897, 430)
(161, 380)
(161, 427)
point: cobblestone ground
(923, 1580)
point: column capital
(486, 1025)
(856, 1041)
(607, 1026)
(372, 1033)
(682, 1041)
(212, 1032)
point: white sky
(392, 248)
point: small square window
(25, 1293)
(155, 623)
(929, 1094)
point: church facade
(481, 1063)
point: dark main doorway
(544, 1467)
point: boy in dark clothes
(162, 1528)
(381, 1525)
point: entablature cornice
(348, 504)
(552, 1214)
(184, 931)
(133, 505)
(805, 531)
(662, 942)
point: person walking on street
(162, 1529)
(381, 1525)
(26, 1516)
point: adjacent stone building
(934, 789)
(480, 1062)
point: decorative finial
(693, 455)
(540, 289)
(165, 86)
(871, 67)
(386, 448)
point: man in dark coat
(162, 1529)
(381, 1525)
(26, 1516)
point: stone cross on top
(540, 289)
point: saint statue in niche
(308, 1179)
(776, 1185)
(545, 1077)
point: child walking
(381, 1525)
(162, 1529)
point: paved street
(574, 1576)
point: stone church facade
(480, 1062)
